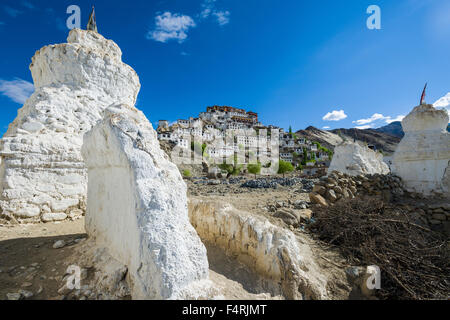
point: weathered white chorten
(422, 158)
(42, 173)
(137, 208)
(353, 159)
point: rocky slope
(330, 139)
(393, 128)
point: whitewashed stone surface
(422, 158)
(137, 207)
(41, 168)
(353, 159)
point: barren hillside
(330, 139)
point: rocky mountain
(325, 138)
(393, 128)
(329, 139)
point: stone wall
(340, 186)
(287, 266)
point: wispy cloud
(11, 11)
(335, 115)
(17, 90)
(398, 118)
(175, 26)
(326, 127)
(209, 9)
(170, 26)
(376, 118)
(363, 127)
(27, 5)
(223, 17)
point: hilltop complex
(226, 130)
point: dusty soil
(28, 262)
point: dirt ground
(29, 264)
(28, 260)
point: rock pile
(338, 185)
(42, 173)
(137, 211)
(266, 183)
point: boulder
(331, 195)
(287, 215)
(137, 207)
(319, 189)
(318, 199)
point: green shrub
(186, 173)
(284, 166)
(254, 168)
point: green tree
(254, 168)
(284, 166)
(305, 156)
(299, 167)
(231, 169)
(186, 173)
(196, 146)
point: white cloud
(335, 115)
(171, 27)
(364, 127)
(326, 127)
(209, 9)
(17, 90)
(223, 17)
(376, 118)
(398, 118)
(443, 103)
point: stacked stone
(437, 214)
(338, 186)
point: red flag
(422, 99)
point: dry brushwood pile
(414, 260)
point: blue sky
(296, 62)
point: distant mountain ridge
(330, 139)
(384, 138)
(395, 129)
